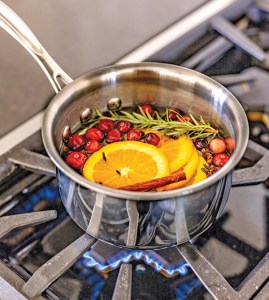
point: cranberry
(76, 141)
(229, 144)
(113, 135)
(135, 135)
(105, 125)
(173, 114)
(124, 126)
(152, 138)
(76, 160)
(147, 109)
(94, 134)
(200, 144)
(185, 118)
(92, 146)
(220, 159)
(217, 146)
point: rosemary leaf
(198, 128)
(98, 113)
(194, 120)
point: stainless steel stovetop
(45, 255)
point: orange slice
(177, 151)
(125, 163)
(189, 169)
(191, 166)
(199, 175)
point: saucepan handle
(14, 25)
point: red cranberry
(152, 138)
(105, 125)
(200, 144)
(173, 114)
(147, 109)
(76, 142)
(185, 118)
(94, 134)
(113, 135)
(217, 146)
(229, 144)
(135, 135)
(124, 126)
(220, 159)
(92, 146)
(76, 160)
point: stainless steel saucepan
(134, 219)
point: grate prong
(56, 266)
(9, 223)
(123, 288)
(212, 280)
(124, 283)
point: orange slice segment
(177, 151)
(199, 175)
(125, 163)
(191, 166)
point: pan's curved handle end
(14, 25)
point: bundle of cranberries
(78, 147)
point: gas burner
(105, 257)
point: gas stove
(45, 255)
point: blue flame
(48, 193)
(185, 289)
(95, 280)
(89, 261)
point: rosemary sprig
(198, 128)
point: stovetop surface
(234, 244)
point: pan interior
(159, 84)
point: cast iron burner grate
(124, 264)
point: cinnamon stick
(155, 183)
